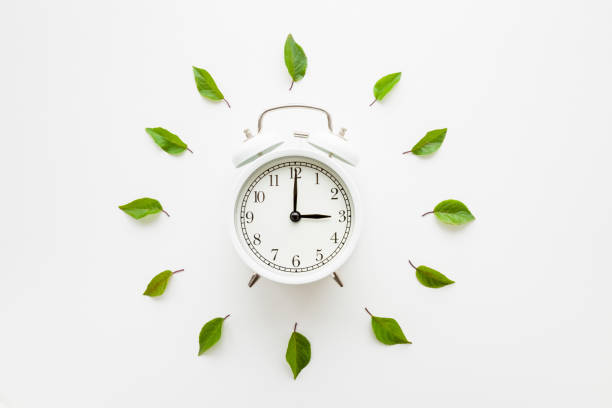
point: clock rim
(338, 260)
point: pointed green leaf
(167, 140)
(158, 284)
(211, 333)
(295, 59)
(142, 207)
(207, 86)
(298, 352)
(430, 277)
(387, 330)
(452, 212)
(385, 84)
(429, 143)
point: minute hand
(295, 191)
(317, 216)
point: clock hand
(295, 193)
(315, 216)
(295, 215)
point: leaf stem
(165, 212)
(291, 87)
(366, 309)
(228, 105)
(180, 270)
(428, 212)
(373, 102)
(295, 327)
(410, 262)
(409, 151)
(226, 316)
(190, 151)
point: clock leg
(253, 279)
(337, 279)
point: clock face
(284, 238)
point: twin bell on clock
(296, 216)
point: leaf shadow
(425, 157)
(210, 102)
(450, 227)
(148, 220)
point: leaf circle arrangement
(385, 329)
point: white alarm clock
(296, 215)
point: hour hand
(316, 216)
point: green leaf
(211, 333)
(207, 86)
(158, 284)
(298, 352)
(384, 85)
(142, 207)
(387, 330)
(430, 277)
(295, 60)
(429, 143)
(167, 140)
(452, 212)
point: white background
(524, 89)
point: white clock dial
(288, 239)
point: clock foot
(253, 279)
(337, 279)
